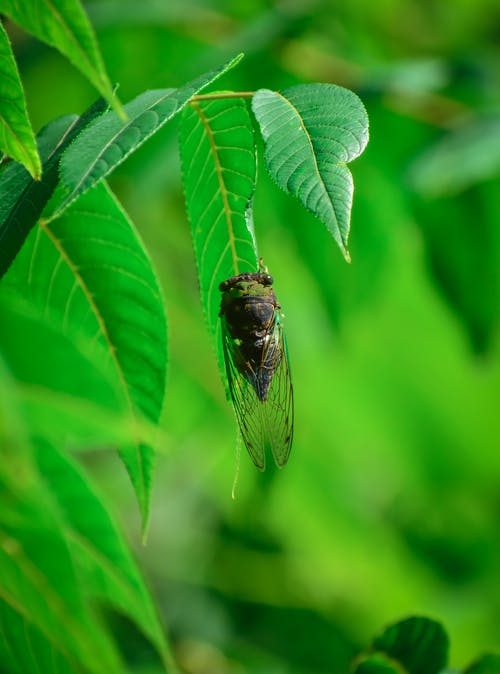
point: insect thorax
(249, 317)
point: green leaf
(45, 361)
(60, 550)
(464, 260)
(486, 664)
(377, 663)
(310, 132)
(89, 277)
(66, 389)
(16, 135)
(418, 645)
(24, 649)
(81, 423)
(63, 24)
(39, 587)
(109, 573)
(23, 199)
(219, 171)
(109, 141)
(465, 156)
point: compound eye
(267, 280)
(223, 286)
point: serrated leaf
(17, 139)
(23, 199)
(109, 141)
(108, 572)
(88, 275)
(486, 664)
(217, 149)
(63, 24)
(419, 645)
(310, 132)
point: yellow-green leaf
(16, 135)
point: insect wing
(277, 410)
(269, 423)
(245, 401)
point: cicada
(257, 366)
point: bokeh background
(390, 504)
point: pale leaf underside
(310, 133)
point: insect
(257, 367)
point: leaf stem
(226, 94)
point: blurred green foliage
(390, 502)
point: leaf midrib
(112, 348)
(75, 190)
(316, 167)
(73, 37)
(220, 180)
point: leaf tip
(347, 255)
(144, 529)
(35, 168)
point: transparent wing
(245, 401)
(277, 410)
(264, 424)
